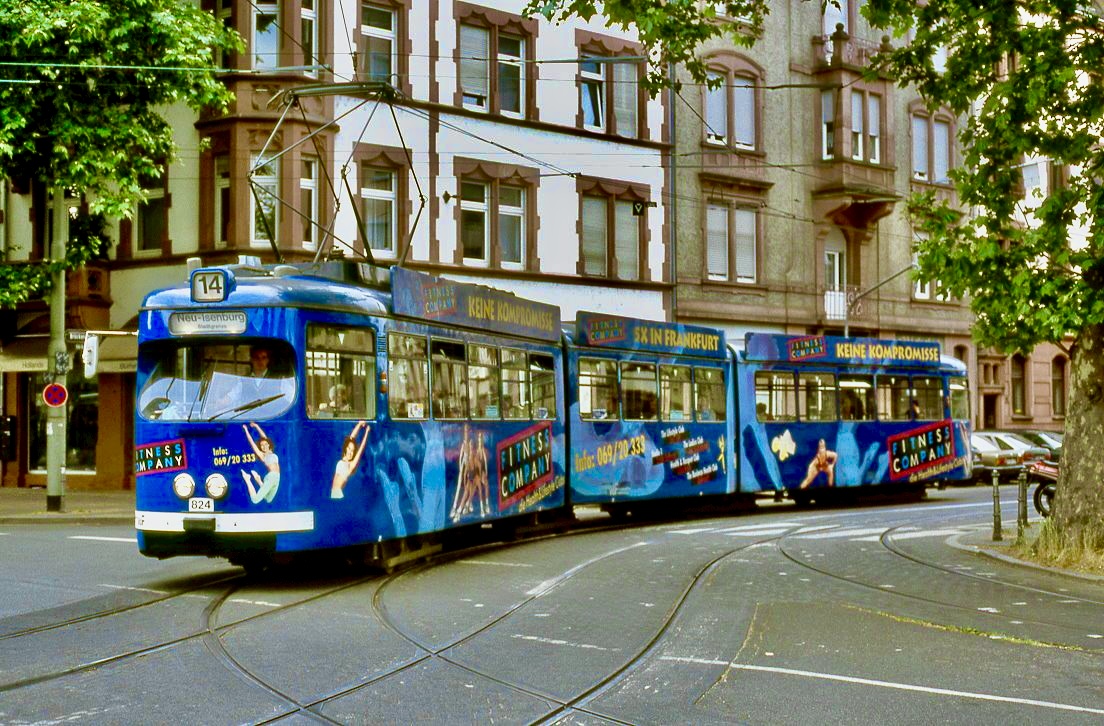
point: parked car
(1018, 448)
(990, 457)
(1049, 440)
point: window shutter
(942, 143)
(716, 112)
(920, 147)
(745, 245)
(743, 101)
(594, 236)
(716, 224)
(475, 51)
(625, 99)
(627, 241)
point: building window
(377, 36)
(835, 269)
(222, 201)
(927, 289)
(497, 86)
(836, 13)
(1058, 386)
(264, 198)
(866, 124)
(308, 34)
(266, 35)
(593, 94)
(308, 202)
(474, 230)
(931, 149)
(611, 238)
(152, 216)
(732, 234)
(1019, 401)
(828, 124)
(224, 12)
(730, 111)
(475, 76)
(378, 208)
(493, 210)
(511, 226)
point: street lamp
(851, 303)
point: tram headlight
(184, 485)
(217, 486)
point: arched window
(1058, 386)
(1019, 407)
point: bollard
(1021, 509)
(996, 507)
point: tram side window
(483, 383)
(775, 396)
(857, 402)
(341, 372)
(407, 373)
(960, 398)
(893, 398)
(450, 388)
(515, 384)
(674, 393)
(927, 392)
(542, 373)
(818, 396)
(710, 394)
(597, 389)
(638, 391)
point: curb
(986, 552)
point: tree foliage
(83, 88)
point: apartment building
(515, 153)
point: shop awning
(25, 355)
(118, 354)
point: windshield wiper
(249, 406)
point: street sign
(55, 395)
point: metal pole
(57, 364)
(996, 507)
(1021, 510)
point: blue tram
(336, 406)
(823, 411)
(648, 412)
(289, 409)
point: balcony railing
(836, 302)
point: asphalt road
(856, 615)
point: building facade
(515, 153)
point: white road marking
(837, 533)
(243, 601)
(494, 563)
(558, 641)
(131, 540)
(913, 535)
(134, 589)
(887, 684)
(551, 583)
(755, 527)
(697, 530)
(757, 533)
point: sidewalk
(25, 505)
(980, 541)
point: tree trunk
(1079, 501)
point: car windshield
(1017, 442)
(982, 444)
(206, 381)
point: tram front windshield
(216, 380)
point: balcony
(835, 302)
(842, 50)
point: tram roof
(600, 330)
(831, 349)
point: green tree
(1027, 76)
(83, 88)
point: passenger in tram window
(350, 458)
(823, 462)
(914, 410)
(262, 489)
(761, 412)
(339, 399)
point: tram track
(884, 541)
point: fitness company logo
(920, 449)
(524, 463)
(806, 348)
(160, 457)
